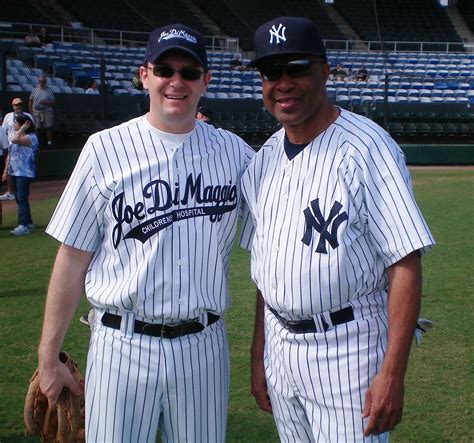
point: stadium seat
(410, 129)
(121, 91)
(436, 129)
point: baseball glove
(62, 423)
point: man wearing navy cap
(147, 223)
(336, 247)
(204, 113)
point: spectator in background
(204, 113)
(41, 107)
(136, 80)
(44, 37)
(17, 105)
(32, 40)
(236, 62)
(362, 74)
(21, 168)
(4, 144)
(92, 87)
(338, 73)
(350, 74)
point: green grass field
(439, 392)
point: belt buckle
(174, 330)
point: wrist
(47, 360)
(257, 348)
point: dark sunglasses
(168, 72)
(293, 69)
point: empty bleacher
(138, 16)
(416, 94)
(242, 17)
(403, 20)
(22, 12)
(466, 7)
(405, 79)
(412, 76)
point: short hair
(21, 118)
(205, 110)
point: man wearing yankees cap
(336, 244)
(147, 222)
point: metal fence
(96, 36)
(81, 34)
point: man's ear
(144, 75)
(207, 78)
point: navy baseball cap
(176, 37)
(287, 36)
(205, 110)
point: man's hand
(383, 404)
(65, 289)
(53, 377)
(259, 384)
(25, 126)
(56, 418)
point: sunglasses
(293, 69)
(168, 72)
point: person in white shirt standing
(147, 223)
(8, 125)
(41, 106)
(336, 253)
(20, 168)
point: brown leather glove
(62, 423)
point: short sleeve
(395, 223)
(75, 221)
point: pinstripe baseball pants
(317, 381)
(137, 385)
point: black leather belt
(309, 326)
(158, 330)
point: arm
(20, 137)
(30, 105)
(384, 398)
(5, 170)
(258, 382)
(4, 143)
(64, 292)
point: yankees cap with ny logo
(287, 36)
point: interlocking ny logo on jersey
(277, 33)
(320, 224)
(160, 197)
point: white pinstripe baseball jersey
(329, 221)
(161, 212)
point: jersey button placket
(177, 231)
(285, 184)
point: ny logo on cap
(278, 33)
